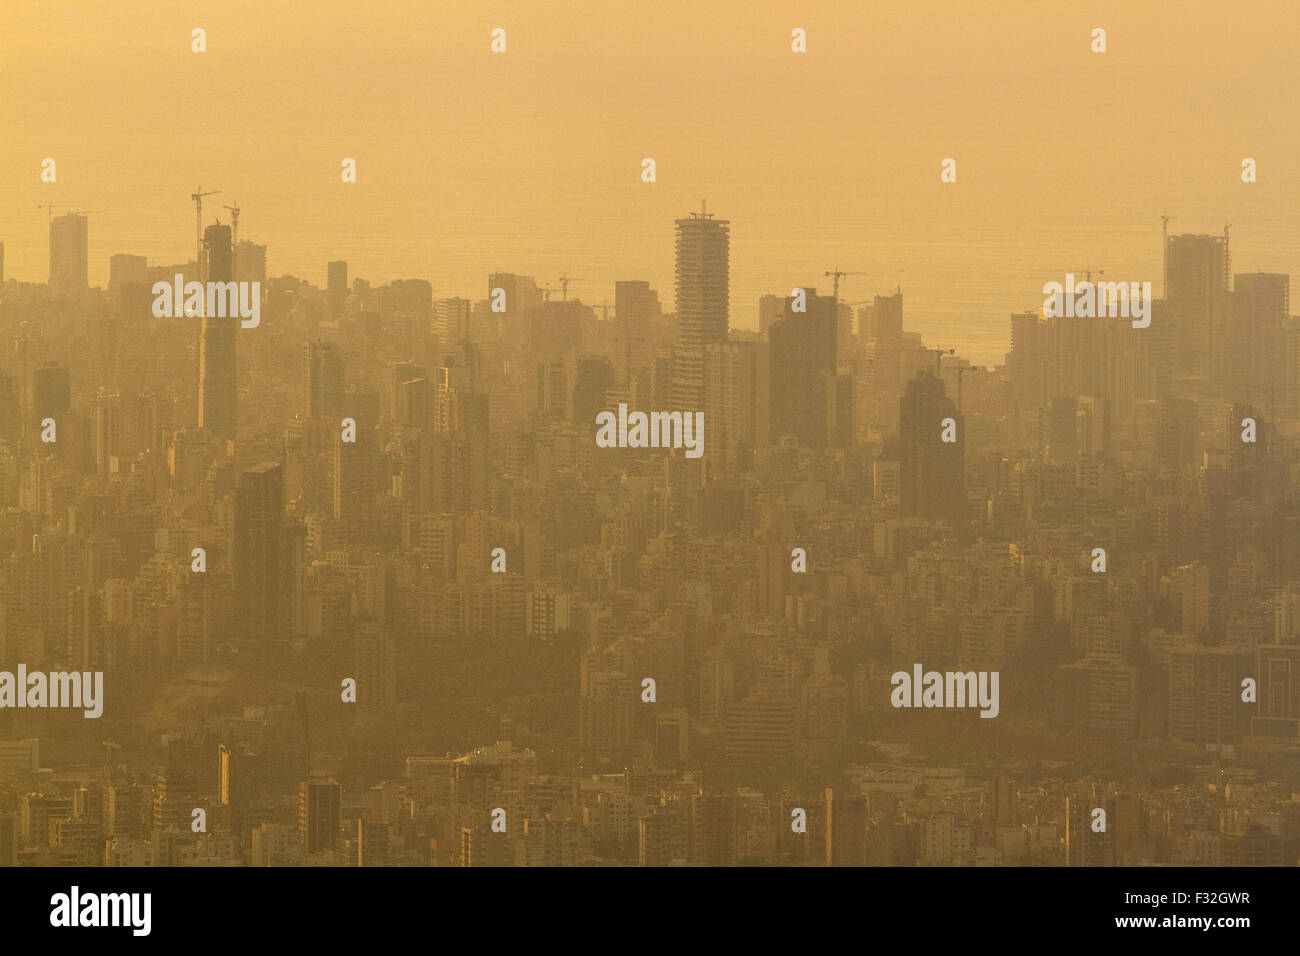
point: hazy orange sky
(470, 162)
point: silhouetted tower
(703, 264)
(218, 385)
(932, 474)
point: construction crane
(234, 237)
(50, 207)
(604, 308)
(546, 291)
(564, 287)
(198, 224)
(938, 358)
(234, 221)
(1087, 272)
(837, 273)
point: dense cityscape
(365, 589)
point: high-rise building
(1278, 667)
(762, 729)
(237, 782)
(68, 256)
(887, 320)
(521, 294)
(325, 381)
(932, 471)
(250, 262)
(593, 375)
(218, 383)
(320, 814)
(636, 306)
(846, 828)
(771, 308)
(126, 269)
(803, 365)
(357, 474)
(51, 391)
(451, 320)
(1084, 845)
(259, 553)
(1205, 706)
(713, 829)
(736, 409)
(1255, 371)
(337, 286)
(220, 253)
(703, 270)
(2, 263)
(1189, 342)
(1098, 695)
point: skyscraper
(320, 810)
(521, 293)
(221, 254)
(803, 356)
(1255, 371)
(770, 309)
(218, 386)
(933, 474)
(1197, 298)
(703, 251)
(258, 551)
(636, 305)
(887, 319)
(51, 390)
(451, 320)
(250, 262)
(337, 286)
(325, 381)
(68, 256)
(736, 409)
(125, 269)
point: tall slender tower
(218, 392)
(703, 257)
(259, 556)
(68, 258)
(1197, 297)
(932, 474)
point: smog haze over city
(710, 435)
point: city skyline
(501, 172)
(715, 435)
(737, 315)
